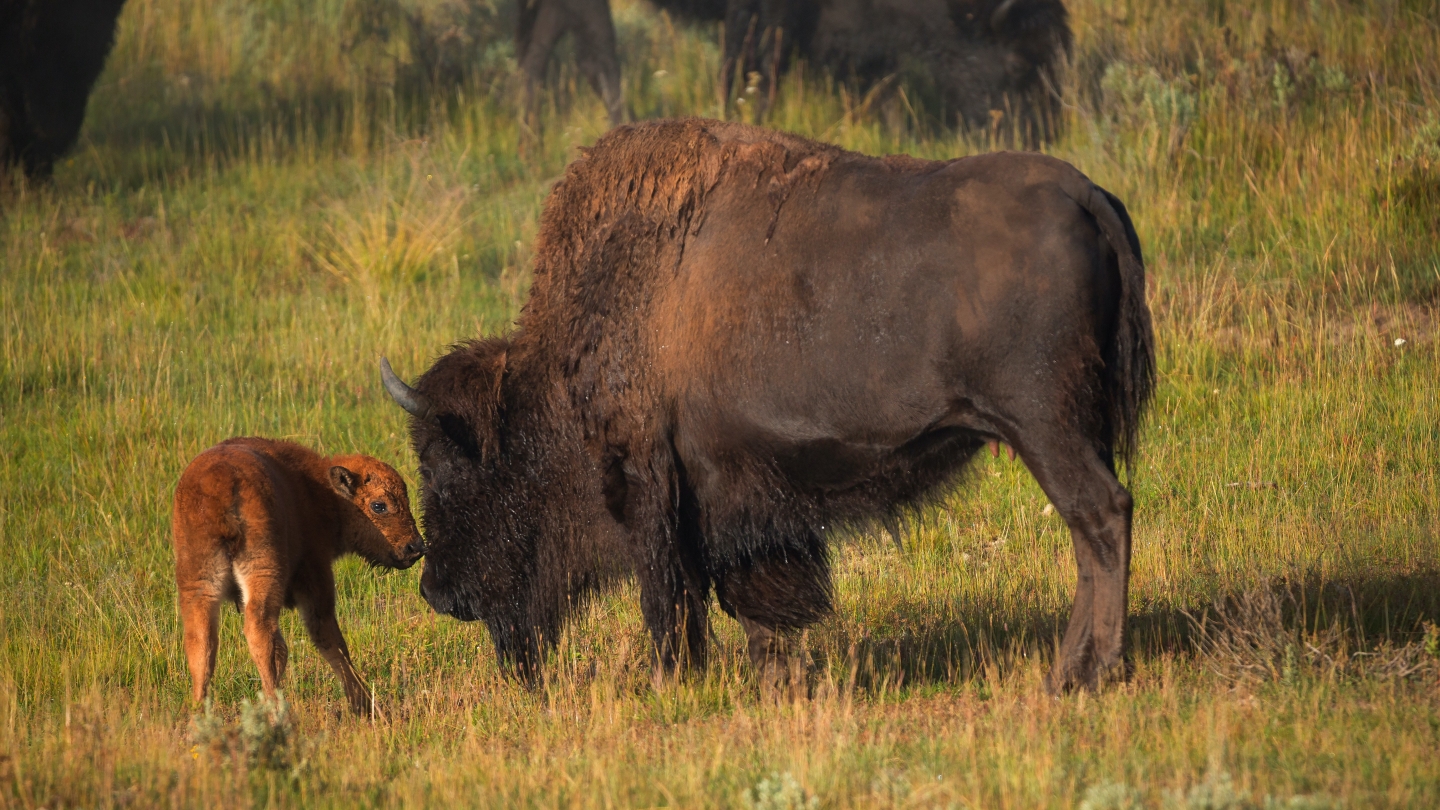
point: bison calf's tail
(1129, 378)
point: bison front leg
(676, 609)
(317, 609)
(640, 492)
(770, 597)
(780, 669)
(597, 57)
(535, 48)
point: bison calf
(259, 523)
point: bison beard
(737, 340)
(51, 52)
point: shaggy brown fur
(259, 523)
(738, 339)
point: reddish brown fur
(260, 522)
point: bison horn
(997, 18)
(406, 397)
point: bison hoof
(1088, 676)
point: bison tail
(1129, 379)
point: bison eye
(425, 473)
(379, 507)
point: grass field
(269, 194)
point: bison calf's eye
(379, 507)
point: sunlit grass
(263, 203)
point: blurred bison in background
(759, 37)
(992, 65)
(51, 52)
(447, 39)
(543, 23)
(737, 340)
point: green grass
(266, 198)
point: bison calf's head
(383, 531)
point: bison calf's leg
(263, 603)
(318, 613)
(200, 614)
(1098, 510)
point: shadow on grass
(1357, 613)
(159, 127)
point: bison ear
(344, 481)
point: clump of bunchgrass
(267, 732)
(394, 237)
(1261, 636)
(778, 791)
(263, 736)
(1247, 638)
(1111, 796)
(1216, 791)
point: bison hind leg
(1079, 479)
(200, 615)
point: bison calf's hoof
(259, 523)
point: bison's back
(895, 286)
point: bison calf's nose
(415, 549)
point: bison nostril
(416, 548)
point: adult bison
(737, 340)
(992, 64)
(51, 52)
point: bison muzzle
(737, 340)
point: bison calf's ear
(344, 481)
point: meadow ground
(269, 194)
